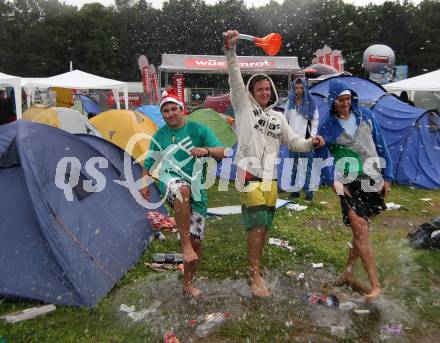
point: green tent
(217, 124)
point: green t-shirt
(172, 147)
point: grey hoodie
(260, 132)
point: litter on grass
(28, 313)
(296, 207)
(281, 243)
(140, 315)
(127, 308)
(393, 206)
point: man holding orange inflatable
(260, 131)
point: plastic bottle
(167, 258)
(211, 322)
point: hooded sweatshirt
(260, 132)
(367, 142)
(307, 111)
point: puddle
(287, 309)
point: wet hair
(259, 78)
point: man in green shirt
(179, 145)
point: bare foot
(347, 278)
(189, 255)
(191, 290)
(374, 294)
(259, 288)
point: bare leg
(347, 277)
(182, 213)
(190, 269)
(256, 240)
(359, 227)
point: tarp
(15, 82)
(118, 126)
(78, 79)
(236, 209)
(152, 112)
(426, 82)
(63, 118)
(217, 124)
(413, 138)
(280, 65)
(58, 251)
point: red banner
(179, 87)
(155, 84)
(214, 63)
(146, 79)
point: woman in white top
(302, 116)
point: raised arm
(236, 84)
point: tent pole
(126, 97)
(159, 82)
(17, 95)
(116, 96)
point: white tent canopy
(78, 79)
(426, 82)
(15, 82)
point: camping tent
(118, 126)
(59, 251)
(413, 138)
(217, 124)
(15, 82)
(152, 112)
(368, 91)
(78, 79)
(426, 82)
(86, 105)
(61, 117)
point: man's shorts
(197, 221)
(364, 204)
(258, 206)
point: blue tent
(89, 106)
(59, 251)
(152, 112)
(368, 91)
(413, 138)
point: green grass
(318, 235)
